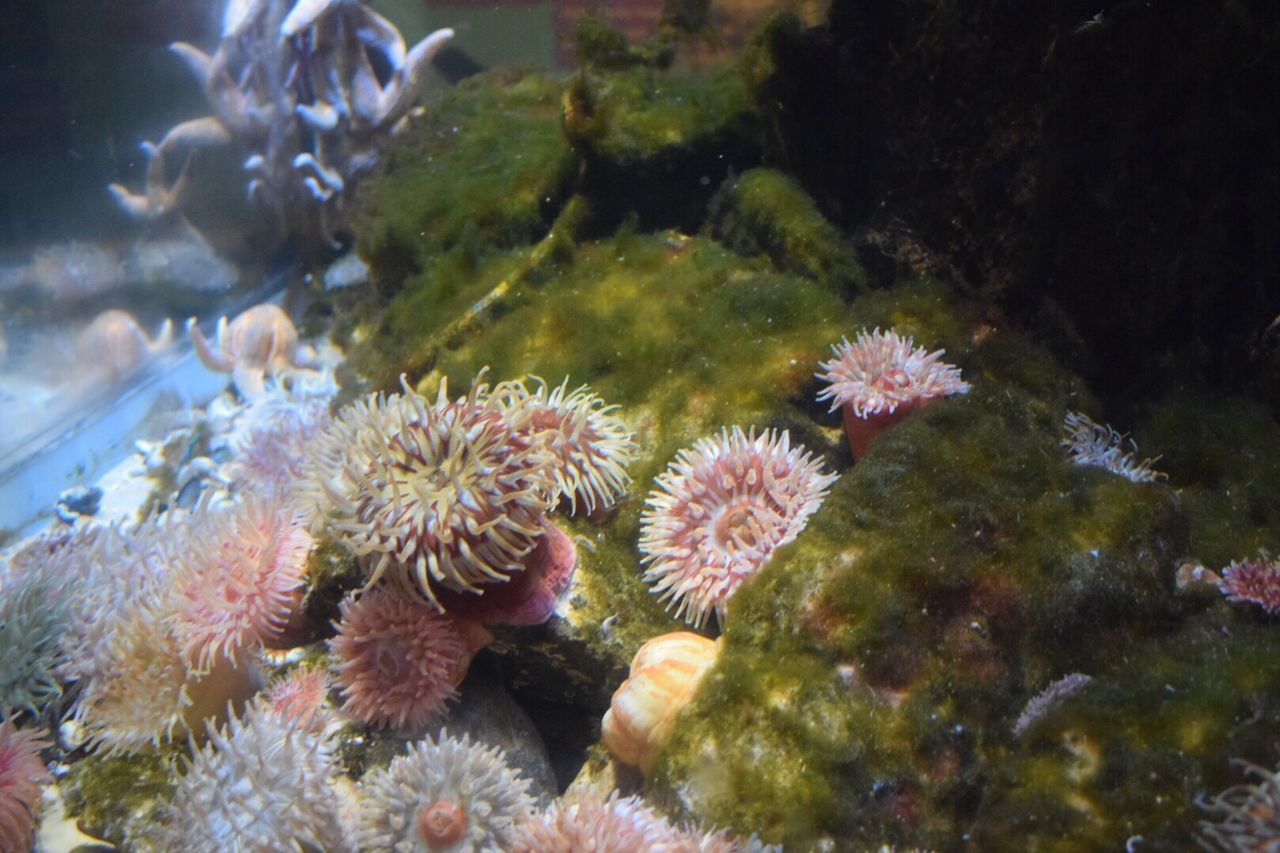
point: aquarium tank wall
(567, 425)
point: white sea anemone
(262, 783)
(446, 795)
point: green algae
(635, 117)
(1223, 454)
(331, 573)
(600, 47)
(1132, 752)
(112, 795)
(488, 170)
(765, 212)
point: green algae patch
(111, 796)
(657, 144)
(610, 607)
(766, 212)
(652, 323)
(487, 170)
(1223, 455)
(1131, 752)
(635, 116)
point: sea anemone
(879, 379)
(107, 570)
(1100, 446)
(140, 693)
(269, 450)
(590, 448)
(33, 616)
(529, 598)
(718, 513)
(444, 494)
(260, 783)
(121, 634)
(1249, 815)
(238, 582)
(300, 697)
(21, 774)
(618, 824)
(1255, 581)
(448, 795)
(401, 658)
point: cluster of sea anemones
(178, 606)
(449, 496)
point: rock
(188, 263)
(77, 501)
(347, 271)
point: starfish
(261, 339)
(114, 344)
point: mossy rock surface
(656, 144)
(486, 171)
(766, 212)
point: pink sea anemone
(879, 379)
(448, 794)
(401, 659)
(300, 697)
(618, 824)
(240, 579)
(21, 774)
(529, 598)
(718, 513)
(589, 447)
(1255, 581)
(122, 634)
(444, 494)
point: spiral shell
(664, 675)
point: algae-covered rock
(655, 145)
(872, 674)
(877, 678)
(764, 211)
(1224, 454)
(1132, 752)
(115, 797)
(487, 170)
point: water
(545, 423)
